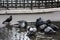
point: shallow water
(13, 34)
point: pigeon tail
(3, 22)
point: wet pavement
(7, 34)
(15, 35)
(55, 16)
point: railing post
(0, 3)
(11, 3)
(7, 4)
(45, 4)
(57, 3)
(27, 3)
(35, 2)
(20, 2)
(31, 4)
(16, 3)
(24, 4)
(39, 4)
(49, 4)
(3, 3)
(52, 4)
(42, 2)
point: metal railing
(29, 3)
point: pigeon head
(48, 22)
(39, 19)
(11, 16)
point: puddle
(16, 34)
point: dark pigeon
(48, 22)
(8, 20)
(54, 27)
(39, 22)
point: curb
(28, 11)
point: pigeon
(8, 20)
(22, 23)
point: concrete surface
(19, 11)
(54, 16)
